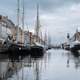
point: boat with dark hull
(75, 47)
(73, 44)
(17, 50)
(37, 51)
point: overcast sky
(58, 17)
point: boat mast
(37, 24)
(18, 17)
(45, 38)
(23, 21)
(76, 34)
(23, 16)
(41, 38)
(49, 40)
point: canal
(54, 65)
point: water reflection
(75, 57)
(52, 66)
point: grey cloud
(47, 8)
(44, 4)
(54, 4)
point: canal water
(54, 65)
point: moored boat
(75, 46)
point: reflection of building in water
(77, 62)
(8, 69)
(3, 68)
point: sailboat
(19, 48)
(37, 49)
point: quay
(17, 43)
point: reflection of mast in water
(36, 71)
(68, 60)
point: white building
(26, 38)
(6, 28)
